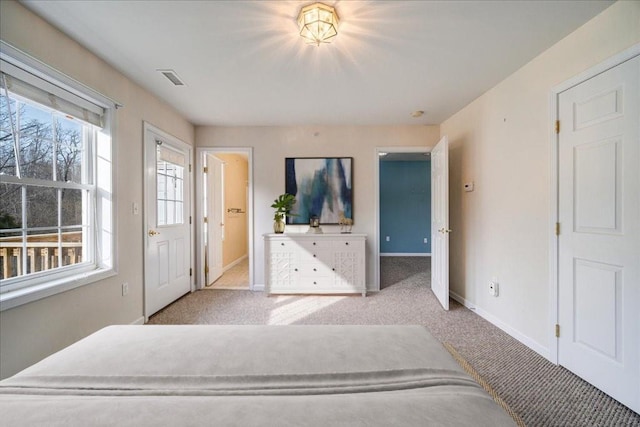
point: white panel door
(167, 215)
(599, 241)
(215, 217)
(440, 221)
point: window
(170, 183)
(55, 182)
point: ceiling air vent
(172, 76)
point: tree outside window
(44, 188)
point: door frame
(376, 198)
(554, 253)
(199, 217)
(146, 126)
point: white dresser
(300, 263)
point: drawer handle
(333, 269)
(282, 244)
(295, 269)
(347, 243)
(315, 283)
(314, 243)
(315, 269)
(314, 255)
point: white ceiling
(244, 64)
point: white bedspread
(250, 376)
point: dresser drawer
(315, 269)
(316, 245)
(313, 283)
(283, 246)
(313, 256)
(347, 245)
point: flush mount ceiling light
(318, 23)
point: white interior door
(214, 217)
(599, 241)
(440, 221)
(167, 216)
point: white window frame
(45, 284)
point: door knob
(153, 233)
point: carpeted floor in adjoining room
(541, 393)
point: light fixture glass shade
(318, 23)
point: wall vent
(172, 76)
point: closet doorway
(225, 218)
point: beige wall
(272, 144)
(236, 176)
(33, 331)
(502, 141)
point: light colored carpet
(237, 277)
(541, 393)
(485, 385)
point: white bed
(250, 376)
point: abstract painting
(323, 187)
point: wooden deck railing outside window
(44, 252)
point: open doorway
(225, 219)
(404, 216)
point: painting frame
(323, 187)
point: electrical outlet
(493, 289)
(388, 238)
(425, 240)
(125, 288)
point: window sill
(33, 293)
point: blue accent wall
(405, 207)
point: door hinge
(205, 169)
(189, 219)
(557, 228)
(206, 270)
(557, 331)
(206, 220)
(190, 271)
(189, 168)
(557, 126)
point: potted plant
(282, 205)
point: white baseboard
(234, 263)
(138, 321)
(404, 254)
(258, 287)
(532, 344)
